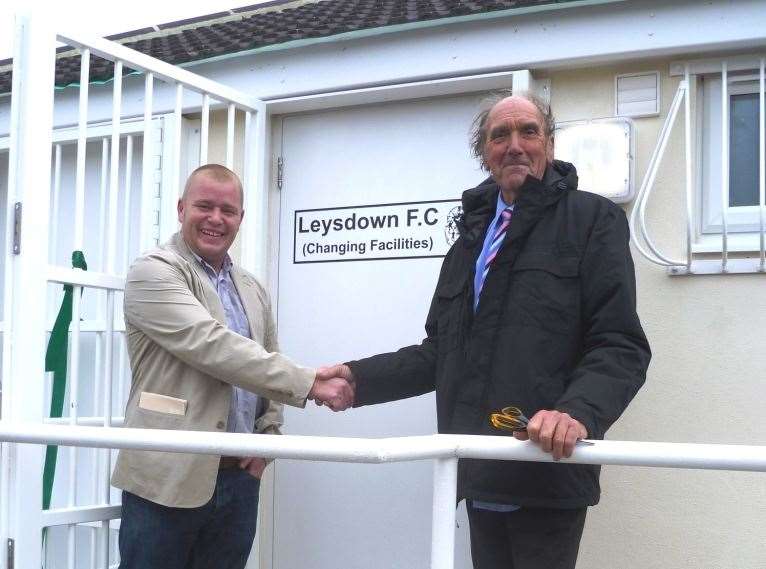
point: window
(741, 204)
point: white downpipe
(688, 159)
(638, 215)
(443, 519)
(147, 168)
(724, 166)
(762, 160)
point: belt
(228, 462)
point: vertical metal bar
(147, 168)
(96, 454)
(443, 520)
(114, 169)
(56, 195)
(102, 198)
(121, 372)
(108, 362)
(688, 158)
(106, 465)
(25, 308)
(177, 126)
(126, 204)
(762, 160)
(230, 136)
(205, 129)
(74, 390)
(82, 141)
(724, 165)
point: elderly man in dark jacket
(535, 307)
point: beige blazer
(184, 361)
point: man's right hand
(334, 387)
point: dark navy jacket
(556, 328)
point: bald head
(516, 141)
(217, 173)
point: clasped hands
(334, 387)
(556, 432)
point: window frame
(743, 222)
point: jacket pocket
(162, 403)
(450, 301)
(545, 292)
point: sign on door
(373, 232)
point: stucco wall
(705, 383)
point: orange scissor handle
(509, 419)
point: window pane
(743, 172)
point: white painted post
(74, 389)
(230, 123)
(688, 160)
(114, 170)
(56, 195)
(82, 141)
(177, 136)
(443, 520)
(147, 168)
(256, 227)
(762, 159)
(29, 162)
(724, 166)
(204, 130)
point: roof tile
(266, 24)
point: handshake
(334, 387)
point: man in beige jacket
(204, 357)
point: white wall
(705, 382)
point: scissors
(509, 419)
(513, 419)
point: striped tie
(497, 240)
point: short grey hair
(219, 173)
(479, 126)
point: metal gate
(125, 179)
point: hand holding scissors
(556, 432)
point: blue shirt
(244, 404)
(480, 264)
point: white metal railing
(31, 270)
(445, 450)
(638, 222)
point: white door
(337, 303)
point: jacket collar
(534, 197)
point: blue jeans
(218, 535)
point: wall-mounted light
(602, 152)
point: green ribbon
(56, 361)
